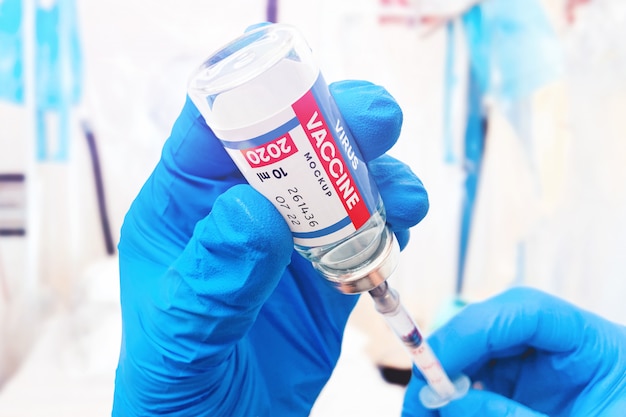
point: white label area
(308, 166)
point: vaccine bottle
(265, 99)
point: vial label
(307, 164)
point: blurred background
(513, 119)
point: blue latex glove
(220, 316)
(534, 355)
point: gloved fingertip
(372, 114)
(402, 191)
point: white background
(60, 331)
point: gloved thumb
(185, 323)
(479, 403)
(231, 265)
(211, 295)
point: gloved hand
(533, 355)
(220, 316)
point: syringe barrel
(387, 302)
(265, 99)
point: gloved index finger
(192, 149)
(517, 319)
(372, 114)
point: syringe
(440, 389)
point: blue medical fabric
(513, 47)
(11, 52)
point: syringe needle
(440, 389)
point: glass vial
(265, 99)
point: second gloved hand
(532, 355)
(220, 316)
